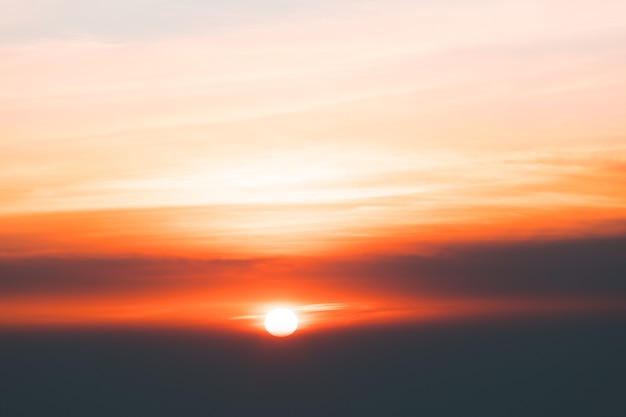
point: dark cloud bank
(567, 268)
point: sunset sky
(198, 162)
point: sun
(281, 322)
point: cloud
(321, 307)
(583, 268)
(593, 267)
(107, 277)
(307, 309)
(580, 276)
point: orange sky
(346, 132)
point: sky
(200, 162)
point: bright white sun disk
(281, 322)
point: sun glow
(281, 322)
